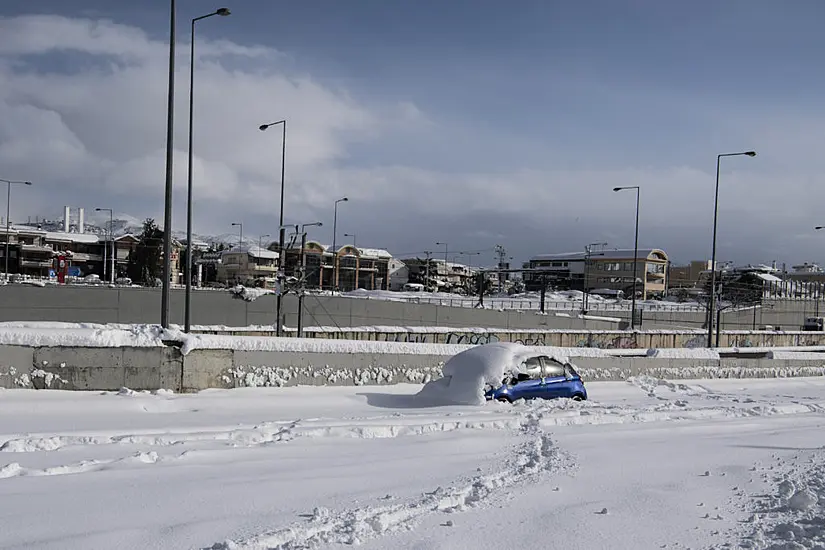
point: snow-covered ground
(644, 464)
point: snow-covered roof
(18, 228)
(617, 253)
(366, 252)
(253, 250)
(60, 236)
(767, 277)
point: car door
(554, 380)
(531, 387)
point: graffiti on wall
(471, 339)
(405, 337)
(534, 340)
(607, 342)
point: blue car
(540, 377)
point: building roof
(60, 236)
(607, 254)
(365, 252)
(253, 250)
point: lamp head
(263, 127)
(223, 12)
(751, 153)
(617, 189)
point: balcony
(35, 263)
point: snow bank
(680, 353)
(796, 355)
(466, 374)
(98, 336)
(249, 294)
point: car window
(532, 367)
(552, 368)
(570, 370)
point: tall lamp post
(635, 254)
(188, 294)
(282, 228)
(354, 238)
(303, 264)
(240, 232)
(712, 308)
(167, 201)
(446, 250)
(112, 237)
(9, 183)
(335, 242)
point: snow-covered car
(504, 371)
(541, 377)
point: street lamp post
(446, 250)
(354, 238)
(105, 246)
(303, 264)
(8, 223)
(335, 242)
(189, 206)
(470, 257)
(240, 242)
(635, 254)
(282, 230)
(170, 150)
(712, 308)
(240, 233)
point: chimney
(67, 214)
(80, 221)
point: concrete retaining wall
(75, 368)
(603, 339)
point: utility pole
(502, 253)
(427, 270)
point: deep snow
(647, 463)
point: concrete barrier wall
(603, 339)
(75, 368)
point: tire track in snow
(535, 457)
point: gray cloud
(95, 136)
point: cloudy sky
(475, 123)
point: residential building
(687, 276)
(608, 269)
(247, 265)
(357, 267)
(442, 274)
(398, 273)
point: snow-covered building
(612, 269)
(348, 268)
(245, 264)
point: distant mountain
(98, 224)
